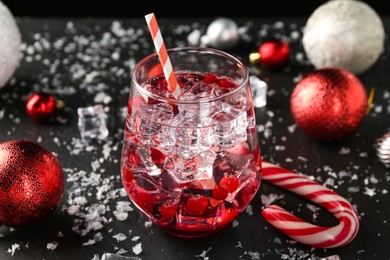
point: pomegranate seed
(127, 174)
(157, 156)
(229, 183)
(224, 83)
(220, 193)
(211, 78)
(168, 209)
(197, 204)
(144, 200)
(134, 158)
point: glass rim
(146, 93)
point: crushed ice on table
(110, 256)
(92, 122)
(204, 254)
(95, 61)
(13, 249)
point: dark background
(173, 8)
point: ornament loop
(300, 230)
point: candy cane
(300, 230)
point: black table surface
(87, 61)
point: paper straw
(162, 53)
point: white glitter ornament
(10, 42)
(222, 33)
(344, 33)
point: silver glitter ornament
(222, 33)
(383, 149)
(344, 33)
(10, 43)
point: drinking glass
(191, 163)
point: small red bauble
(274, 53)
(31, 182)
(329, 103)
(40, 106)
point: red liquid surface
(191, 177)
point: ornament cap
(370, 99)
(60, 104)
(254, 57)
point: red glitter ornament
(41, 106)
(329, 103)
(274, 53)
(31, 182)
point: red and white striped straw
(162, 53)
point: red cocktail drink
(191, 163)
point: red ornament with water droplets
(329, 104)
(31, 182)
(274, 53)
(41, 106)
